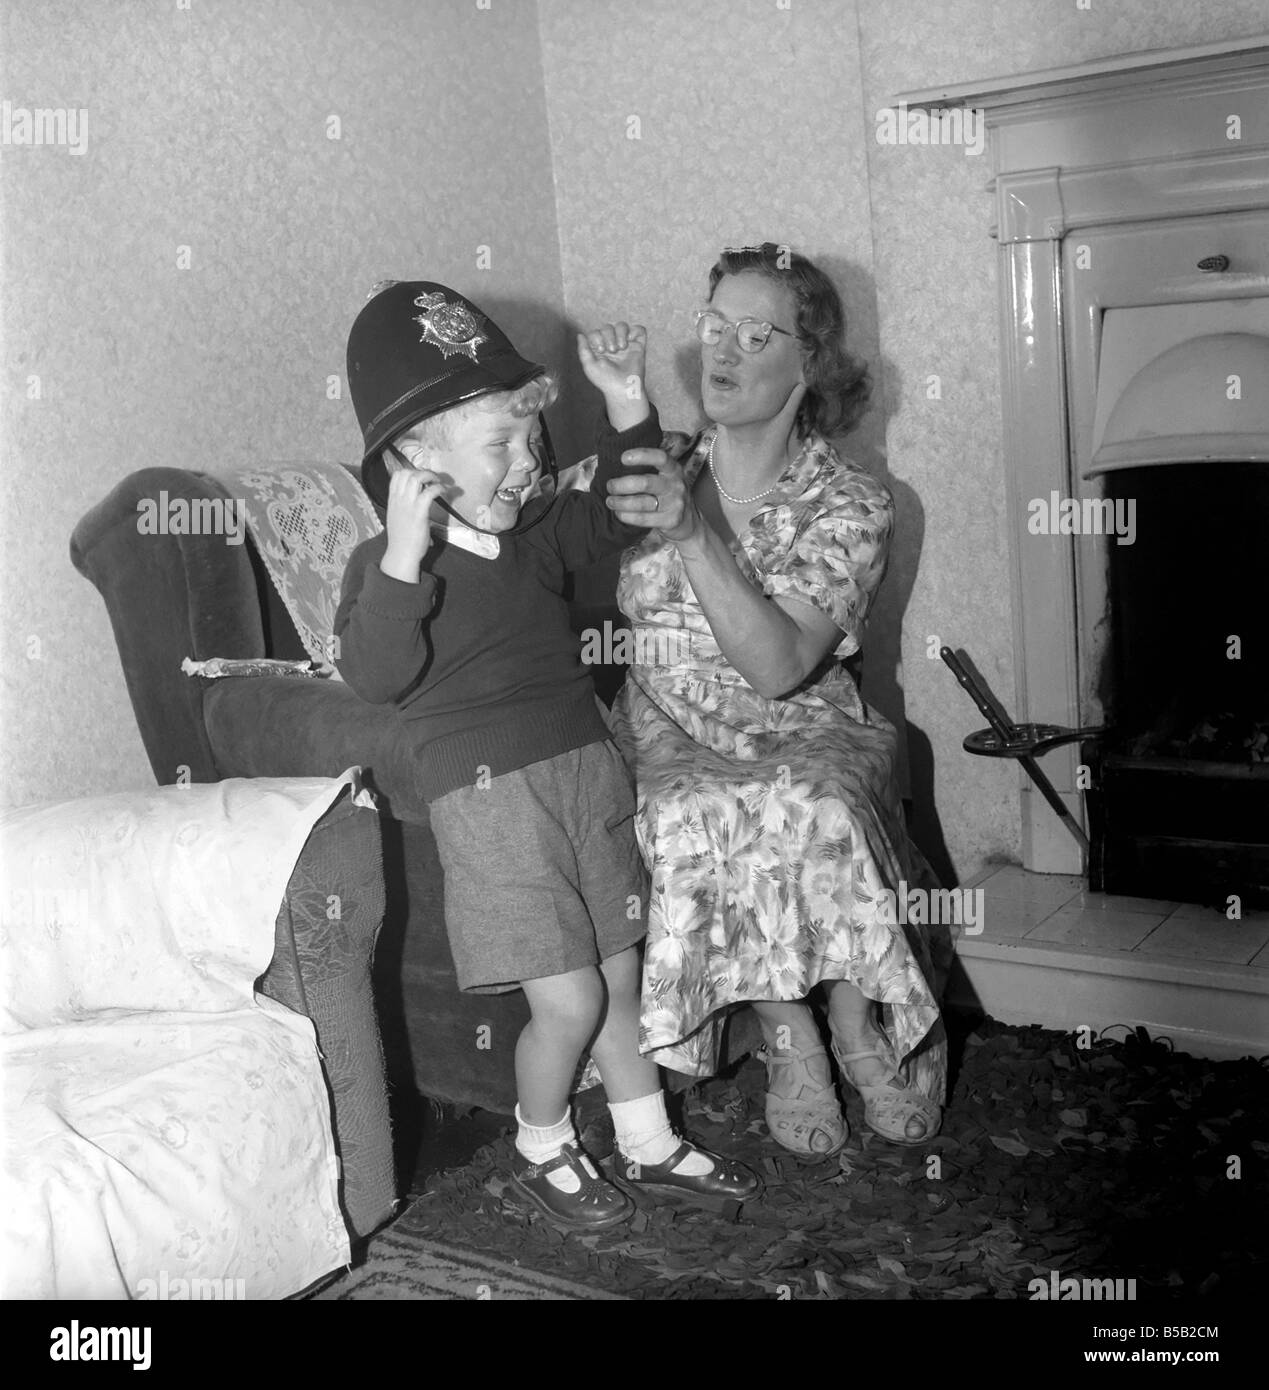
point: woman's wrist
(695, 543)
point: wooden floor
(1049, 951)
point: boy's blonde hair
(437, 431)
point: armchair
(166, 1118)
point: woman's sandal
(595, 1205)
(811, 1126)
(889, 1105)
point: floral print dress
(772, 827)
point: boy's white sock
(541, 1143)
(644, 1135)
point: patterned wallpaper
(602, 151)
(211, 127)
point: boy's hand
(613, 358)
(411, 492)
(658, 500)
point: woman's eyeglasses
(752, 335)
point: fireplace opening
(1179, 806)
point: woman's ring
(656, 503)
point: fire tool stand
(1024, 742)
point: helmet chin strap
(549, 469)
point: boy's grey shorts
(542, 870)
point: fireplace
(1179, 794)
(1175, 635)
(1131, 202)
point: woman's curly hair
(837, 385)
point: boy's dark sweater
(478, 656)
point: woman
(769, 812)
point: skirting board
(1218, 1011)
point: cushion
(327, 930)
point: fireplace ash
(1215, 738)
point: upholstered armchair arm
(169, 597)
(279, 726)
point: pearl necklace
(722, 491)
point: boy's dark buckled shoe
(727, 1181)
(595, 1205)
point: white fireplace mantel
(1151, 142)
(1117, 73)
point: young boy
(459, 620)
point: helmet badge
(451, 327)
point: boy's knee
(570, 1007)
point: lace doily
(306, 519)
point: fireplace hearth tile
(1007, 919)
(1212, 916)
(1111, 931)
(1040, 890)
(1232, 943)
(1089, 901)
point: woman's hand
(655, 497)
(613, 358)
(411, 492)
